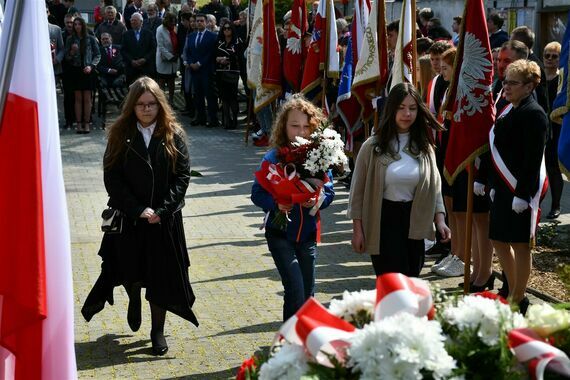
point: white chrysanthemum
(492, 318)
(400, 347)
(290, 362)
(352, 303)
(545, 320)
(300, 141)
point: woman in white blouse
(395, 197)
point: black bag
(112, 221)
(227, 77)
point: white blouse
(403, 175)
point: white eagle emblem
(473, 69)
(294, 42)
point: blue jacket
(302, 226)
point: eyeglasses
(512, 83)
(143, 106)
(551, 56)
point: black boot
(134, 310)
(159, 345)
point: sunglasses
(551, 56)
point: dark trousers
(398, 253)
(296, 265)
(68, 100)
(200, 83)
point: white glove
(478, 189)
(519, 205)
(492, 195)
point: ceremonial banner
(371, 73)
(561, 106)
(403, 55)
(295, 52)
(255, 54)
(322, 55)
(347, 105)
(36, 291)
(469, 102)
(358, 27)
(271, 77)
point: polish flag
(403, 58)
(36, 294)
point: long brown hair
(421, 137)
(126, 124)
(299, 102)
(82, 36)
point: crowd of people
(398, 196)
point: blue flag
(561, 106)
(347, 105)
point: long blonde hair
(299, 102)
(126, 124)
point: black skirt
(398, 253)
(505, 225)
(459, 194)
(80, 81)
(153, 255)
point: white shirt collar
(146, 132)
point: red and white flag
(371, 72)
(322, 54)
(396, 293)
(295, 51)
(469, 102)
(319, 331)
(263, 57)
(36, 292)
(404, 64)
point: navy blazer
(132, 49)
(204, 53)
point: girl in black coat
(517, 150)
(146, 173)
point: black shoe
(214, 124)
(553, 214)
(489, 284)
(159, 345)
(198, 122)
(523, 305)
(134, 310)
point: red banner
(271, 61)
(469, 103)
(295, 52)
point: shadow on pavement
(229, 373)
(108, 351)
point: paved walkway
(238, 290)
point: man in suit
(135, 7)
(153, 21)
(497, 36)
(198, 55)
(138, 50)
(111, 25)
(57, 48)
(110, 66)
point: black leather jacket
(144, 177)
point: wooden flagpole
(468, 229)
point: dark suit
(129, 11)
(498, 38)
(204, 54)
(132, 50)
(108, 62)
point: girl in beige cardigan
(395, 196)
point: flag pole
(468, 229)
(8, 52)
(414, 45)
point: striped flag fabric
(260, 79)
(396, 293)
(371, 71)
(322, 55)
(295, 52)
(403, 58)
(36, 292)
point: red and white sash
(430, 95)
(510, 179)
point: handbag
(112, 221)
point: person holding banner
(517, 143)
(395, 197)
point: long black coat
(154, 255)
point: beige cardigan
(367, 190)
